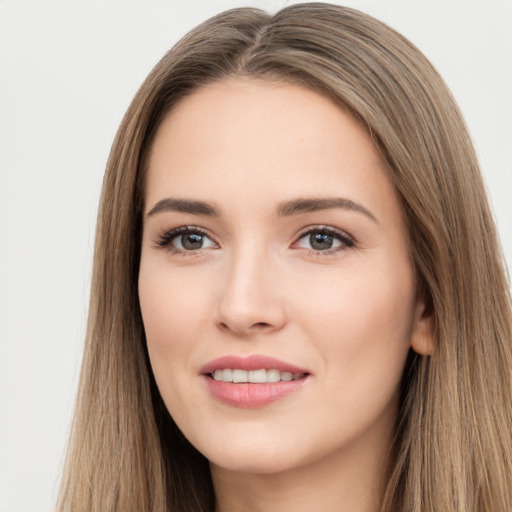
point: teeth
(258, 376)
(273, 375)
(261, 376)
(240, 375)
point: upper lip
(252, 362)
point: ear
(422, 334)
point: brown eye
(190, 241)
(321, 241)
(185, 239)
(325, 240)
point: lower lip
(248, 395)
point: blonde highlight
(453, 448)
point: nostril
(261, 325)
(257, 326)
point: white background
(68, 69)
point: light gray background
(68, 69)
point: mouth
(260, 376)
(252, 382)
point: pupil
(320, 241)
(192, 241)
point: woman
(298, 296)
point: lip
(248, 395)
(252, 362)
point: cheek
(362, 321)
(171, 311)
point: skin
(349, 315)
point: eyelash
(346, 241)
(165, 239)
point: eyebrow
(308, 205)
(285, 209)
(170, 204)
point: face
(276, 287)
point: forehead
(259, 114)
(241, 139)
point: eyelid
(325, 227)
(167, 236)
(345, 238)
(347, 241)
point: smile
(260, 376)
(252, 381)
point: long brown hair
(453, 449)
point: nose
(250, 300)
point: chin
(256, 456)
(264, 464)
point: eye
(185, 239)
(325, 240)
